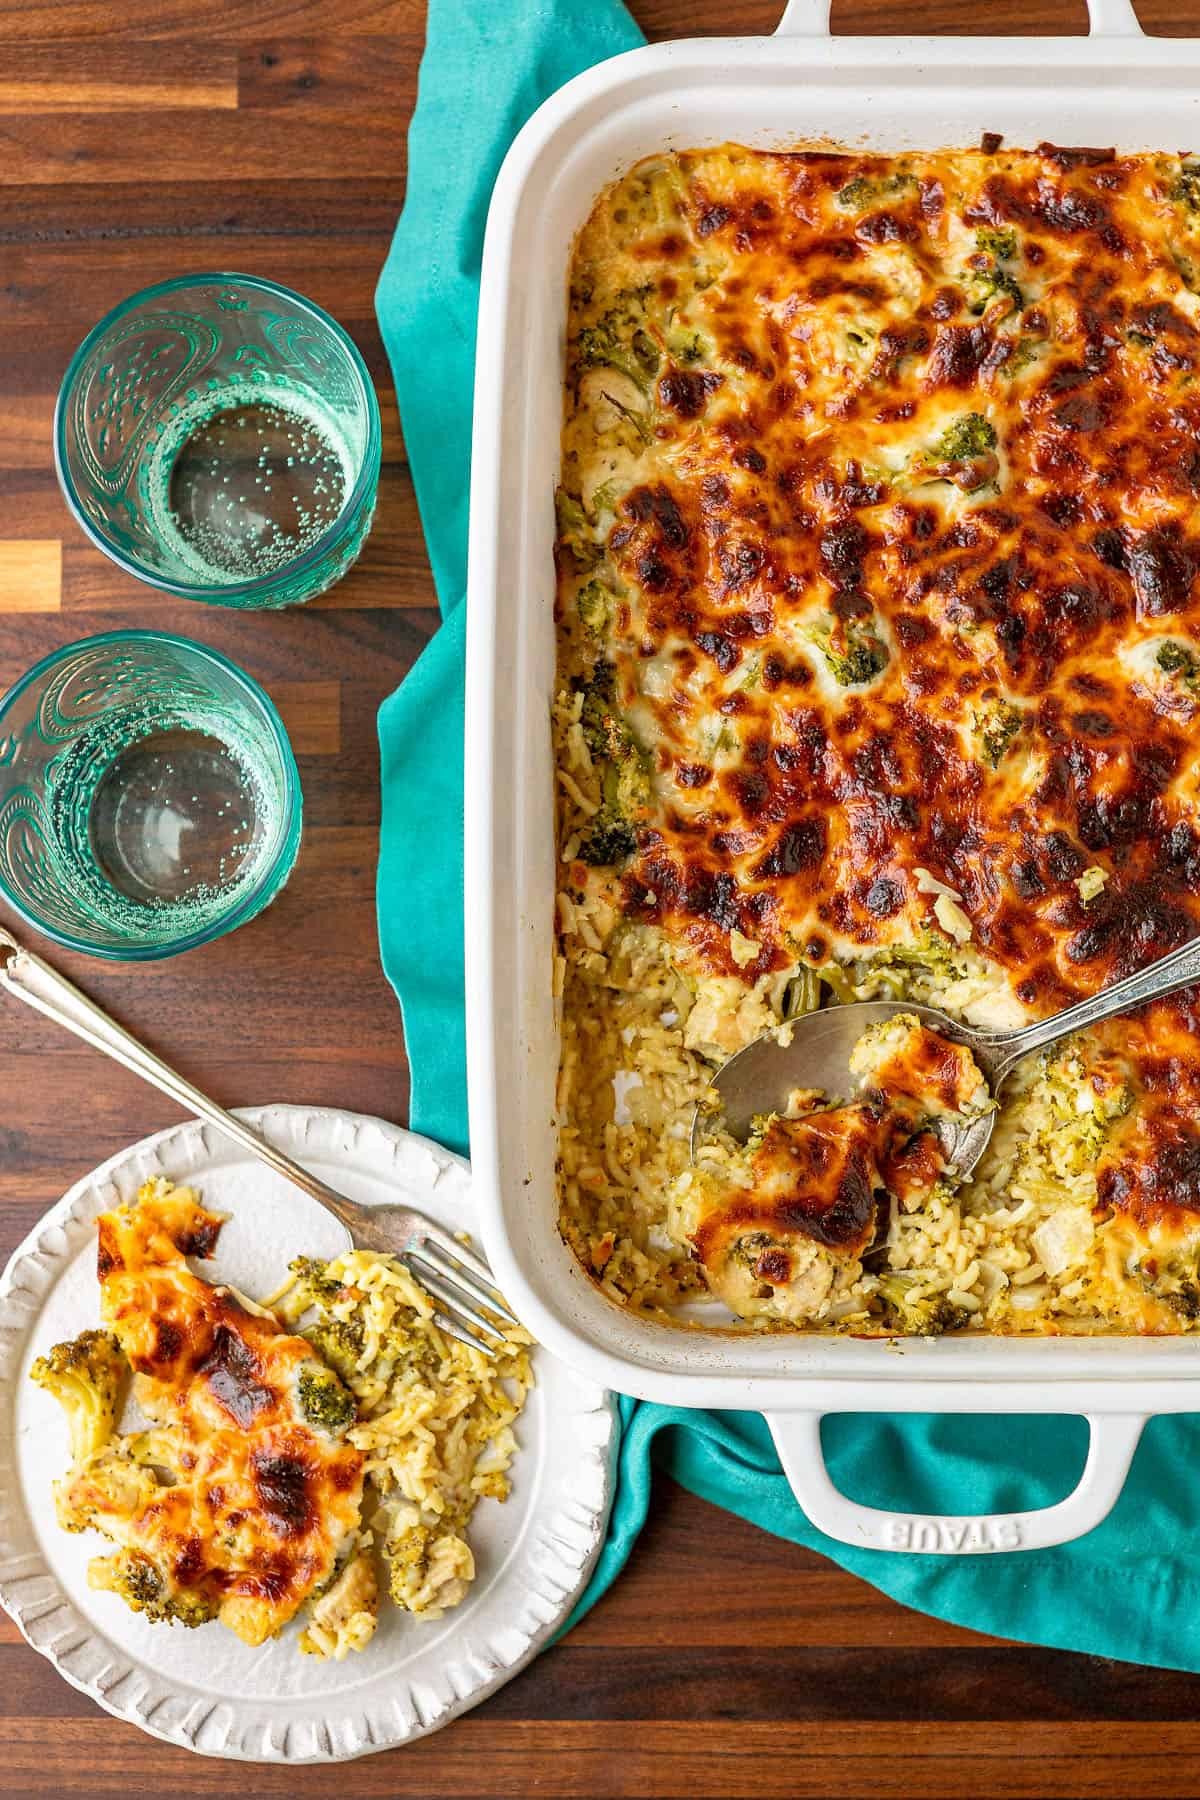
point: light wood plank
(30, 575)
(37, 78)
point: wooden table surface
(269, 136)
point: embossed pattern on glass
(218, 436)
(149, 799)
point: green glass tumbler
(149, 798)
(218, 437)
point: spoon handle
(42, 988)
(1180, 968)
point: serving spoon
(816, 1054)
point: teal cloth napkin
(1128, 1590)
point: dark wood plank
(75, 214)
(175, 145)
(74, 21)
(659, 1757)
(313, 76)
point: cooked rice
(435, 1426)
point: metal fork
(458, 1280)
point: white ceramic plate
(204, 1689)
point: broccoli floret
(862, 192)
(986, 278)
(749, 675)
(971, 435)
(610, 739)
(408, 1348)
(928, 1317)
(407, 1555)
(1175, 1285)
(619, 341)
(605, 498)
(901, 971)
(997, 724)
(997, 242)
(686, 347)
(863, 661)
(964, 454)
(571, 516)
(1185, 189)
(602, 726)
(592, 603)
(990, 284)
(574, 532)
(85, 1378)
(1177, 659)
(324, 1401)
(626, 783)
(610, 839)
(855, 655)
(1022, 352)
(624, 771)
(856, 194)
(1188, 272)
(339, 1342)
(1185, 1301)
(314, 1284)
(140, 1585)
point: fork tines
(462, 1283)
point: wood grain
(269, 136)
(30, 575)
(35, 78)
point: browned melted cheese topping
(812, 327)
(816, 1178)
(921, 1072)
(260, 1503)
(825, 1175)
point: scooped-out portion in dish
(879, 672)
(279, 1469)
(778, 1223)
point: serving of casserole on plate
(878, 677)
(305, 1474)
(278, 1469)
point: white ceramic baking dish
(799, 86)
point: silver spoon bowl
(816, 1054)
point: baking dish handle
(805, 18)
(1114, 1438)
(1106, 18)
(1112, 18)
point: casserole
(876, 680)
(916, 94)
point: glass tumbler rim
(284, 856)
(239, 592)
